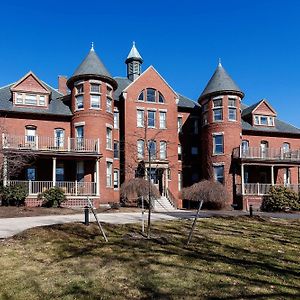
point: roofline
(229, 92)
(272, 132)
(72, 79)
(151, 67)
(34, 113)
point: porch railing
(44, 143)
(71, 188)
(261, 189)
(171, 198)
(267, 154)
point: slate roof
(280, 126)
(56, 105)
(123, 83)
(220, 82)
(92, 65)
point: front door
(156, 176)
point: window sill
(108, 149)
(218, 154)
(232, 120)
(95, 108)
(79, 109)
(217, 121)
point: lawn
(229, 258)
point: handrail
(171, 198)
(44, 143)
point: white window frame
(98, 102)
(215, 135)
(80, 96)
(216, 177)
(116, 179)
(162, 120)
(163, 150)
(109, 174)
(116, 119)
(140, 118)
(154, 119)
(140, 149)
(109, 139)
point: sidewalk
(12, 226)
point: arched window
(141, 96)
(161, 98)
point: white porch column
(97, 180)
(54, 171)
(272, 175)
(4, 170)
(243, 179)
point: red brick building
(95, 131)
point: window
(161, 98)
(79, 88)
(95, 101)
(116, 119)
(152, 149)
(95, 88)
(179, 124)
(219, 173)
(79, 102)
(140, 149)
(205, 119)
(194, 150)
(141, 96)
(60, 172)
(31, 173)
(19, 98)
(205, 107)
(286, 147)
(80, 171)
(79, 130)
(245, 147)
(140, 118)
(232, 102)
(163, 150)
(109, 174)
(31, 135)
(109, 100)
(116, 149)
(264, 147)
(108, 138)
(231, 114)
(264, 120)
(179, 152)
(151, 95)
(217, 110)
(218, 141)
(151, 118)
(42, 101)
(59, 135)
(162, 120)
(116, 179)
(30, 99)
(218, 114)
(195, 127)
(179, 181)
(108, 104)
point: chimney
(62, 84)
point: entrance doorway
(157, 178)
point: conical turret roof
(221, 82)
(92, 67)
(134, 54)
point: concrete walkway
(12, 226)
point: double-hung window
(95, 101)
(232, 109)
(140, 115)
(108, 138)
(151, 118)
(116, 149)
(109, 174)
(218, 143)
(218, 110)
(116, 179)
(79, 102)
(109, 100)
(116, 120)
(219, 173)
(163, 150)
(179, 124)
(140, 149)
(152, 149)
(162, 120)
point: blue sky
(258, 42)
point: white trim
(109, 160)
(218, 133)
(218, 164)
(109, 126)
(217, 97)
(79, 124)
(163, 110)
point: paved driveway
(12, 226)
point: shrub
(53, 197)
(212, 193)
(133, 189)
(13, 195)
(281, 199)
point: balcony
(70, 188)
(261, 189)
(267, 154)
(50, 144)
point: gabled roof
(56, 105)
(255, 106)
(221, 82)
(30, 73)
(134, 54)
(92, 67)
(280, 126)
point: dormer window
(30, 99)
(263, 120)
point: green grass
(229, 258)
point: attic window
(30, 99)
(263, 120)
